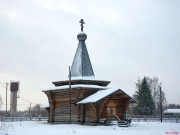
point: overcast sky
(125, 39)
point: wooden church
(84, 99)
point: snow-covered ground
(42, 128)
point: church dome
(81, 36)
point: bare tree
(173, 106)
(155, 89)
(37, 110)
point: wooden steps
(118, 123)
(123, 124)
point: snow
(137, 128)
(81, 32)
(91, 78)
(83, 78)
(76, 86)
(172, 111)
(87, 78)
(45, 105)
(97, 96)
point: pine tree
(143, 95)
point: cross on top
(82, 22)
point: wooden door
(111, 109)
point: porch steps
(123, 124)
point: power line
(30, 85)
(18, 104)
(25, 100)
(28, 101)
(5, 77)
(2, 84)
(26, 83)
(21, 89)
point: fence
(169, 120)
(23, 118)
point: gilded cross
(82, 22)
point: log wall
(84, 113)
(60, 104)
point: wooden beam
(93, 106)
(97, 112)
(52, 109)
(83, 113)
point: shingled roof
(81, 66)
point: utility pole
(69, 95)
(6, 97)
(30, 111)
(160, 102)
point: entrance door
(111, 109)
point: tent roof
(81, 66)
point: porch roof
(100, 95)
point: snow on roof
(76, 86)
(45, 105)
(83, 78)
(97, 96)
(91, 78)
(81, 32)
(172, 111)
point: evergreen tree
(143, 96)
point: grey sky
(126, 39)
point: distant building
(91, 100)
(172, 112)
